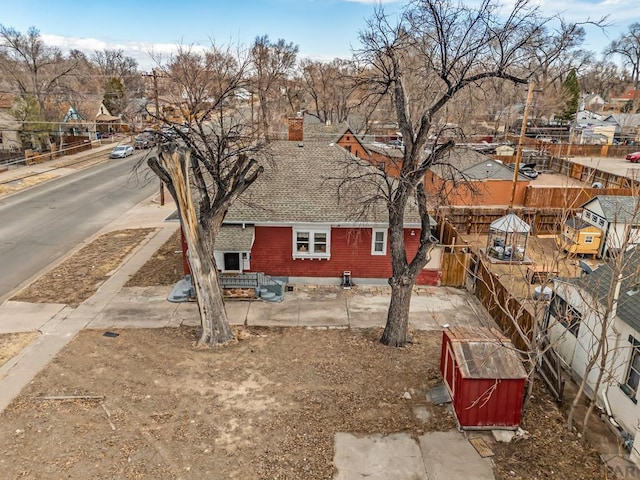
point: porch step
(267, 295)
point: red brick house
(292, 222)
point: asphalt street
(42, 223)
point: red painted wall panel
(350, 250)
(483, 402)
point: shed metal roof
(484, 353)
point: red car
(634, 157)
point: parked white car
(121, 151)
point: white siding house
(580, 310)
(618, 217)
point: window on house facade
(630, 386)
(601, 221)
(587, 215)
(309, 243)
(588, 239)
(567, 315)
(379, 241)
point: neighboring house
(618, 217)
(579, 237)
(580, 312)
(593, 102)
(90, 118)
(619, 102)
(293, 223)
(465, 177)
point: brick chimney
(296, 129)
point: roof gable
(615, 208)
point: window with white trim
(308, 243)
(588, 239)
(379, 241)
(630, 386)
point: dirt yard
(265, 407)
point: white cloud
(140, 51)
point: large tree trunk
(396, 331)
(213, 315)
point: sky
(323, 29)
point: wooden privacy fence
(513, 319)
(456, 256)
(509, 314)
(591, 175)
(566, 197)
(549, 367)
(477, 220)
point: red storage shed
(484, 376)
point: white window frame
(588, 239)
(631, 379)
(374, 242)
(311, 252)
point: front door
(232, 261)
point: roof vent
(301, 144)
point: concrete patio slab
(368, 311)
(237, 311)
(283, 314)
(378, 457)
(450, 456)
(323, 313)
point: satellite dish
(597, 185)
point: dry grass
(80, 275)
(163, 268)
(12, 343)
(22, 183)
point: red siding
(481, 402)
(350, 250)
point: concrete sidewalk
(63, 165)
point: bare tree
(627, 47)
(121, 80)
(215, 163)
(36, 70)
(434, 51)
(583, 315)
(601, 77)
(330, 86)
(271, 63)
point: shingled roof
(300, 185)
(462, 163)
(618, 209)
(600, 284)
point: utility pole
(154, 75)
(523, 131)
